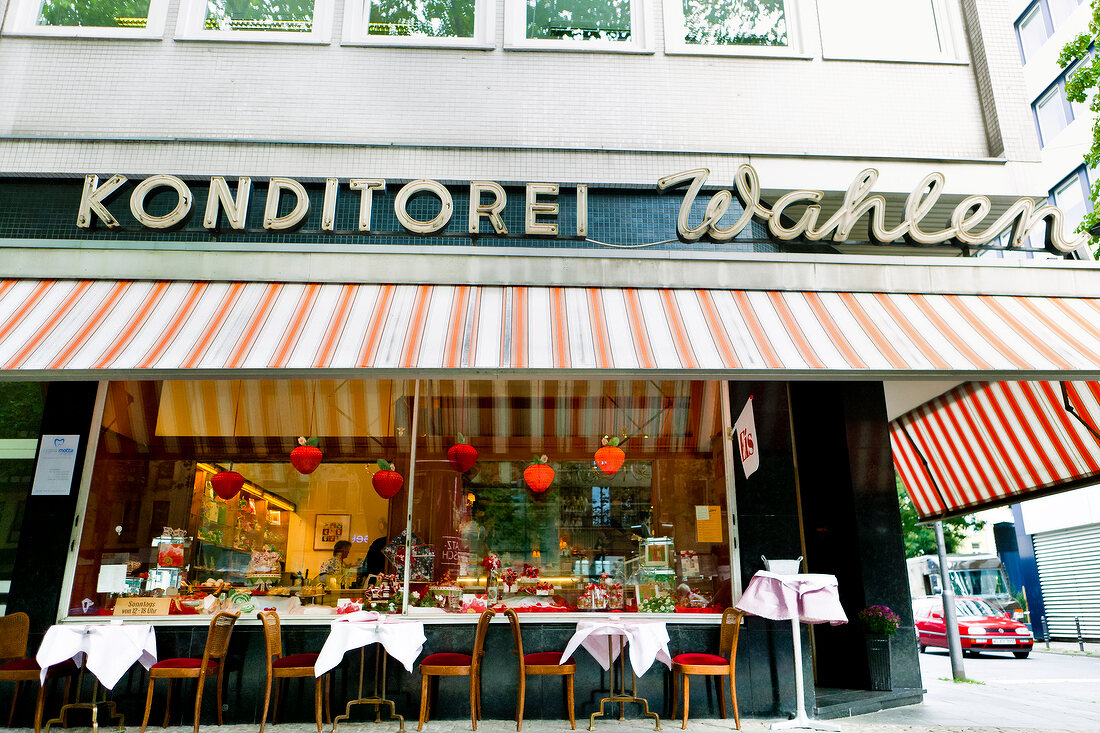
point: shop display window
(297, 21)
(545, 496)
(96, 18)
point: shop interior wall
(851, 523)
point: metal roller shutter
(1069, 572)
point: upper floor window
(1052, 113)
(302, 21)
(462, 23)
(1062, 9)
(1038, 22)
(900, 30)
(1072, 197)
(756, 27)
(591, 25)
(95, 18)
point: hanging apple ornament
(386, 481)
(307, 456)
(610, 457)
(462, 455)
(227, 484)
(539, 474)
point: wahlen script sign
(796, 215)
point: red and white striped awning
(161, 328)
(988, 443)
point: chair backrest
(479, 637)
(14, 629)
(273, 635)
(217, 638)
(783, 567)
(517, 637)
(731, 629)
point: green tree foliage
(1080, 87)
(433, 18)
(735, 22)
(94, 13)
(920, 539)
(607, 20)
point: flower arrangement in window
(530, 571)
(509, 576)
(657, 604)
(879, 620)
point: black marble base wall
(763, 663)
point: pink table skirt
(812, 598)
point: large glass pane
(20, 420)
(427, 18)
(1062, 9)
(735, 22)
(653, 528)
(1033, 32)
(607, 20)
(1051, 113)
(297, 542)
(874, 29)
(95, 13)
(259, 15)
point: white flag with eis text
(744, 433)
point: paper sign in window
(53, 475)
(708, 523)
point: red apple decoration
(462, 455)
(610, 457)
(386, 481)
(539, 474)
(307, 456)
(227, 484)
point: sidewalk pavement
(1068, 647)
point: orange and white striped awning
(988, 443)
(176, 328)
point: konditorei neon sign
(794, 215)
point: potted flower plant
(879, 624)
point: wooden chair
(456, 664)
(717, 665)
(14, 630)
(213, 660)
(540, 663)
(279, 668)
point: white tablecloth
(403, 639)
(646, 641)
(110, 649)
(812, 598)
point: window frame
(1040, 7)
(949, 31)
(641, 32)
(192, 17)
(484, 38)
(1056, 88)
(22, 20)
(674, 28)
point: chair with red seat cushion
(716, 665)
(14, 632)
(454, 664)
(213, 660)
(540, 663)
(280, 668)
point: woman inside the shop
(338, 562)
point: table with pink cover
(401, 638)
(645, 642)
(810, 598)
(105, 650)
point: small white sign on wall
(53, 476)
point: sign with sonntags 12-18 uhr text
(795, 215)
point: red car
(982, 628)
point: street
(1045, 691)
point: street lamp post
(954, 644)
